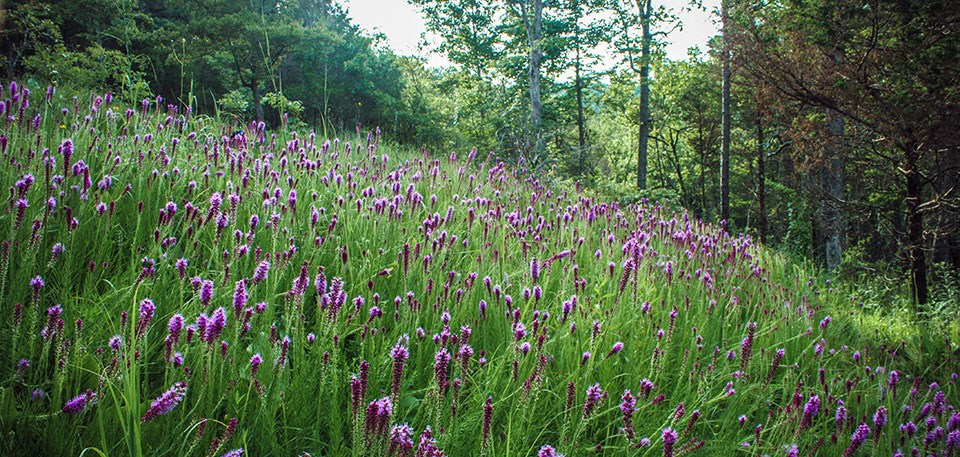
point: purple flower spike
(548, 451)
(859, 437)
(401, 441)
(77, 404)
(594, 395)
(147, 309)
(165, 402)
(399, 354)
(617, 347)
(378, 418)
(669, 439)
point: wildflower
(777, 357)
(617, 347)
(401, 440)
(548, 451)
(879, 420)
(77, 404)
(441, 367)
(115, 343)
(378, 417)
(260, 274)
(669, 439)
(811, 409)
(627, 408)
(147, 309)
(792, 451)
(234, 453)
(165, 402)
(487, 421)
(857, 440)
(594, 395)
(206, 292)
(399, 354)
(358, 385)
(239, 298)
(427, 446)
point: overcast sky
(403, 26)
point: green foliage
(235, 103)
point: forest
(826, 128)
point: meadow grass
(174, 285)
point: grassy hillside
(172, 285)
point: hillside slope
(172, 285)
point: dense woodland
(828, 128)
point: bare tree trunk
(725, 120)
(918, 263)
(536, 108)
(761, 180)
(646, 16)
(831, 175)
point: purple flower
(115, 343)
(487, 421)
(401, 440)
(378, 417)
(811, 409)
(792, 451)
(617, 347)
(669, 439)
(594, 395)
(212, 326)
(255, 362)
(147, 309)
(859, 437)
(234, 453)
(627, 408)
(239, 298)
(165, 402)
(206, 292)
(548, 451)
(399, 354)
(953, 441)
(260, 274)
(181, 265)
(427, 447)
(77, 404)
(879, 420)
(441, 367)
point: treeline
(844, 115)
(249, 59)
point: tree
(646, 16)
(725, 115)
(887, 67)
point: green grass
(360, 206)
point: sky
(403, 26)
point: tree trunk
(725, 120)
(918, 264)
(831, 175)
(646, 16)
(581, 128)
(761, 181)
(535, 37)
